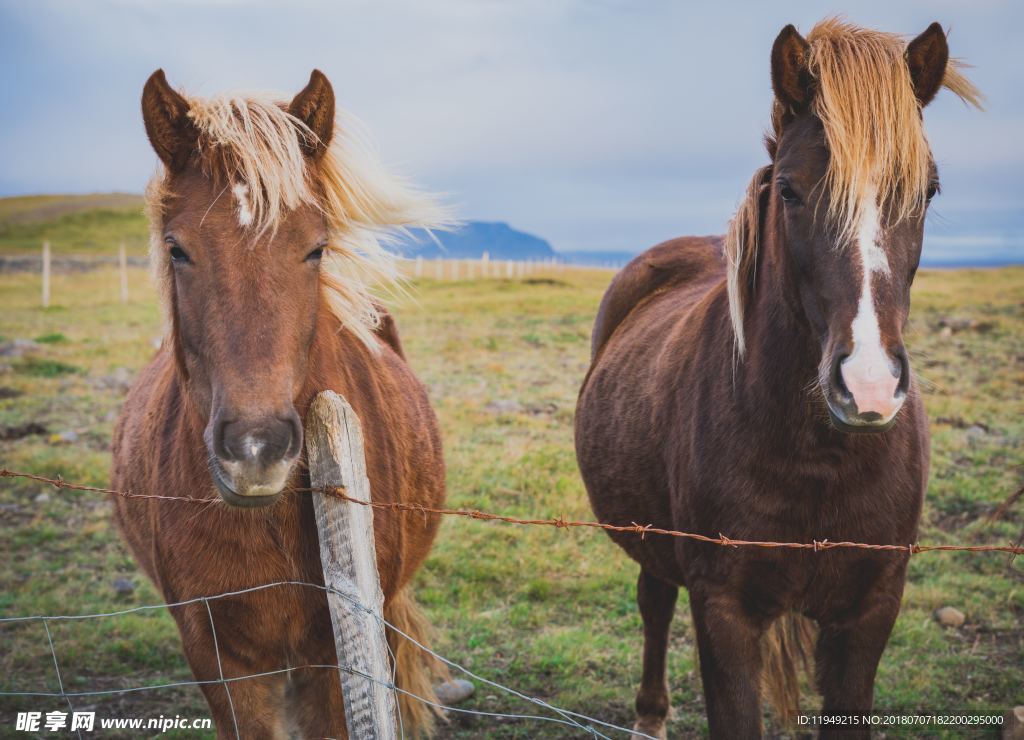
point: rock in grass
(975, 432)
(453, 692)
(64, 438)
(948, 616)
(1013, 724)
(18, 348)
(42, 498)
(123, 587)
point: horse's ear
(927, 56)
(314, 106)
(791, 79)
(165, 113)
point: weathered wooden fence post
(334, 446)
(46, 274)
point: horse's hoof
(651, 726)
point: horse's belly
(625, 480)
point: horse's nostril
(902, 371)
(838, 384)
(295, 427)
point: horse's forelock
(865, 99)
(253, 145)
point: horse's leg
(255, 708)
(657, 602)
(316, 705)
(847, 656)
(729, 644)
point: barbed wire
(559, 522)
(564, 717)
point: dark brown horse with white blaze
(757, 385)
(257, 198)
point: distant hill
(96, 223)
(472, 239)
(91, 224)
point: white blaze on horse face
(241, 192)
(867, 372)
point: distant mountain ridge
(95, 223)
(472, 239)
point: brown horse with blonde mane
(757, 385)
(265, 225)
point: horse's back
(668, 265)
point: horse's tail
(416, 670)
(788, 645)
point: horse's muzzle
(250, 461)
(866, 396)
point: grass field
(549, 612)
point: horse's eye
(316, 255)
(933, 189)
(176, 253)
(788, 194)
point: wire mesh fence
(586, 725)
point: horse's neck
(326, 367)
(778, 374)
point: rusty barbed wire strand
(559, 522)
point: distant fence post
(419, 265)
(484, 258)
(46, 274)
(122, 264)
(334, 446)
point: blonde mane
(251, 145)
(875, 134)
(865, 99)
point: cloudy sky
(597, 124)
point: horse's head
(251, 201)
(844, 201)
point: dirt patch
(20, 431)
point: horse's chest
(230, 551)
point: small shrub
(43, 368)
(51, 338)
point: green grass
(43, 368)
(549, 612)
